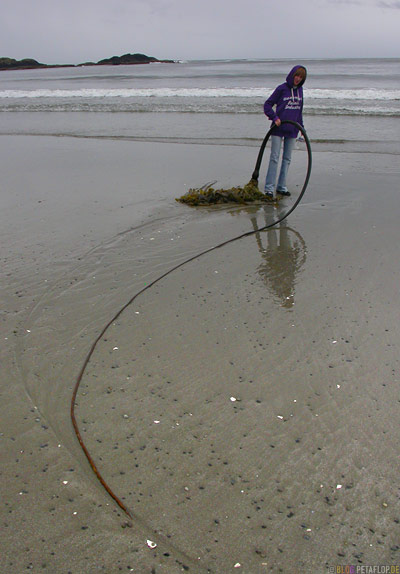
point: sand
(244, 408)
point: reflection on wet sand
(282, 257)
(283, 252)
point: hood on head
(291, 75)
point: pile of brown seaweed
(208, 195)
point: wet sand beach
(244, 408)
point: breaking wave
(373, 94)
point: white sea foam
(374, 94)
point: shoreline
(185, 129)
(71, 259)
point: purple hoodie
(289, 105)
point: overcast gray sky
(74, 31)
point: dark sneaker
(282, 192)
(269, 195)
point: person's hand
(277, 122)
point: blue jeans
(276, 143)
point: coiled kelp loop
(249, 193)
(256, 171)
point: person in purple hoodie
(285, 103)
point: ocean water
(350, 104)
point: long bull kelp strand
(93, 347)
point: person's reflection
(283, 253)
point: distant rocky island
(126, 59)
